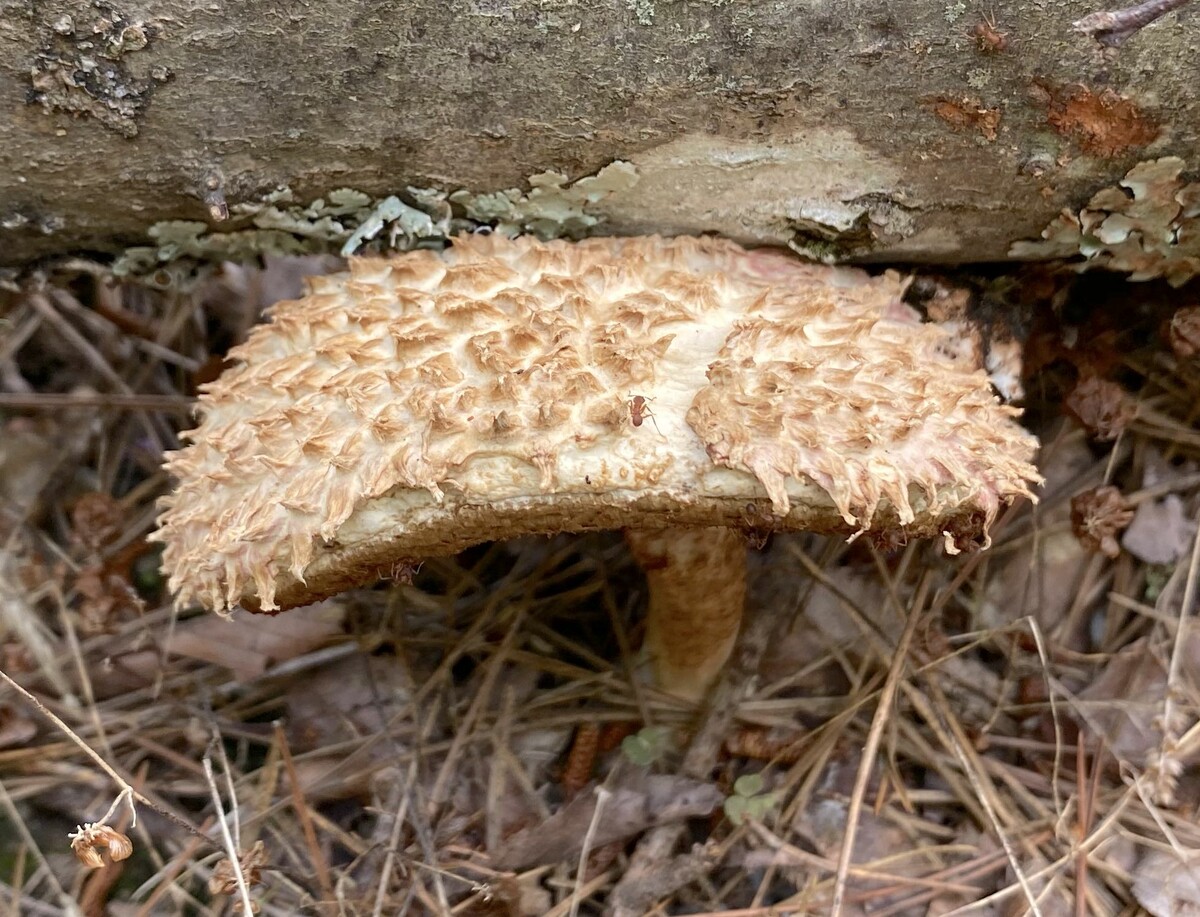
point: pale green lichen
(346, 220)
(551, 209)
(978, 78)
(1147, 226)
(643, 11)
(413, 224)
(953, 11)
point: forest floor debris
(477, 741)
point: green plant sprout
(748, 800)
(646, 746)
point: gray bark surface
(869, 129)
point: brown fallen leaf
(252, 644)
(223, 880)
(105, 599)
(347, 700)
(95, 518)
(636, 802)
(1124, 703)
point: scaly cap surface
(418, 404)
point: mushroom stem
(697, 580)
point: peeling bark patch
(968, 113)
(82, 71)
(1104, 124)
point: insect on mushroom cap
(420, 403)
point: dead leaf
(251, 644)
(1124, 701)
(223, 880)
(346, 700)
(1160, 533)
(27, 461)
(1167, 885)
(95, 518)
(105, 600)
(639, 801)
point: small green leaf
(748, 785)
(735, 808)
(647, 746)
(637, 750)
(757, 807)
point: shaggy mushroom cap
(421, 403)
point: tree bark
(918, 130)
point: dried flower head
(95, 518)
(87, 841)
(223, 880)
(1103, 407)
(1098, 516)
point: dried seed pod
(581, 759)
(89, 839)
(223, 880)
(419, 404)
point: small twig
(52, 401)
(127, 791)
(1113, 27)
(235, 856)
(14, 816)
(300, 805)
(1168, 766)
(602, 795)
(953, 742)
(866, 764)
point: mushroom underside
(378, 541)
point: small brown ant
(639, 411)
(990, 39)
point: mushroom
(685, 390)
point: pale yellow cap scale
(424, 402)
